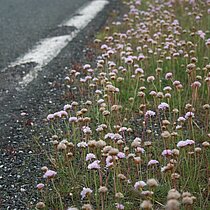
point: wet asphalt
(24, 22)
(20, 156)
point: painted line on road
(86, 14)
(47, 49)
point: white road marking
(86, 14)
(44, 51)
(47, 49)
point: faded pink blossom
(121, 155)
(40, 186)
(150, 113)
(94, 165)
(167, 152)
(119, 206)
(90, 156)
(49, 174)
(168, 75)
(189, 115)
(163, 106)
(152, 162)
(139, 184)
(73, 119)
(85, 191)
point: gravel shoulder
(20, 157)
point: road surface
(24, 22)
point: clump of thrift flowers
(133, 131)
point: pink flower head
(181, 119)
(139, 184)
(196, 84)
(73, 119)
(152, 162)
(140, 149)
(109, 136)
(121, 155)
(82, 144)
(40, 186)
(63, 113)
(167, 152)
(168, 75)
(150, 113)
(119, 206)
(190, 142)
(139, 71)
(141, 57)
(50, 117)
(49, 174)
(67, 107)
(85, 191)
(163, 106)
(201, 34)
(189, 115)
(94, 165)
(109, 160)
(90, 156)
(181, 144)
(185, 143)
(123, 129)
(86, 66)
(86, 130)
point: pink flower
(67, 107)
(168, 75)
(181, 119)
(119, 206)
(196, 84)
(85, 191)
(86, 130)
(94, 165)
(190, 142)
(109, 162)
(139, 184)
(185, 143)
(140, 149)
(121, 155)
(90, 156)
(150, 113)
(152, 162)
(40, 186)
(49, 174)
(181, 144)
(82, 144)
(201, 34)
(73, 119)
(86, 66)
(166, 152)
(139, 71)
(189, 115)
(109, 136)
(50, 117)
(163, 106)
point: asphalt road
(24, 22)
